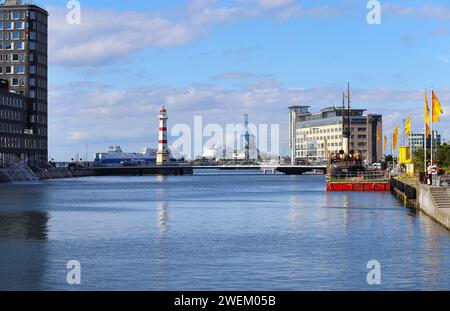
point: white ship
(210, 153)
(115, 155)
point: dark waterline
(229, 232)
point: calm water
(228, 232)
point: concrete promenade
(432, 200)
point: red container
(347, 187)
(336, 187)
(379, 187)
(329, 189)
(369, 187)
(358, 187)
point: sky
(110, 74)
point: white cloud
(233, 75)
(425, 11)
(272, 4)
(220, 15)
(106, 35)
(98, 39)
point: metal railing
(359, 177)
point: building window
(15, 82)
(20, 69)
(9, 45)
(10, 25)
(9, 69)
(20, 45)
(15, 35)
(20, 25)
(15, 15)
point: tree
(442, 155)
(389, 158)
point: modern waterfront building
(17, 138)
(314, 136)
(23, 63)
(417, 140)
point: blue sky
(110, 74)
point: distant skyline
(109, 76)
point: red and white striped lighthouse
(163, 153)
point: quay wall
(421, 198)
(139, 171)
(3, 178)
(428, 206)
(65, 173)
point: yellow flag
(427, 110)
(427, 130)
(408, 127)
(386, 141)
(437, 108)
(395, 138)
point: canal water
(211, 232)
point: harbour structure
(163, 153)
(417, 140)
(316, 135)
(23, 63)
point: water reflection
(433, 257)
(163, 217)
(23, 256)
(24, 226)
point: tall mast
(345, 132)
(348, 115)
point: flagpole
(432, 107)
(425, 135)
(392, 151)
(410, 147)
(409, 139)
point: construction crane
(247, 138)
(249, 141)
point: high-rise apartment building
(23, 63)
